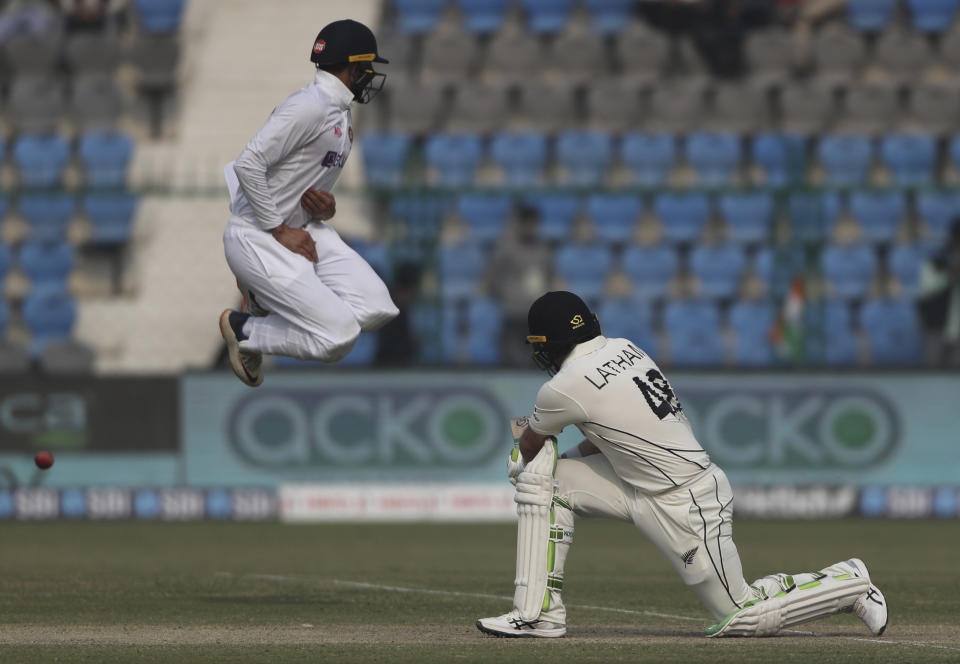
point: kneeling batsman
(639, 463)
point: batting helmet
(348, 42)
(556, 322)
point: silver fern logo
(687, 556)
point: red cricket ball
(43, 460)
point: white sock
(247, 327)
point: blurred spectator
(397, 343)
(23, 18)
(939, 300)
(92, 14)
(518, 274)
(717, 27)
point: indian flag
(787, 332)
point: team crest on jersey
(334, 160)
(337, 131)
(319, 45)
(576, 322)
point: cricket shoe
(511, 625)
(870, 607)
(246, 364)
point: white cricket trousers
(691, 524)
(317, 310)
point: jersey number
(660, 397)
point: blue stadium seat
(451, 330)
(111, 216)
(829, 336)
(933, 15)
(748, 215)
(628, 318)
(783, 157)
(4, 206)
(846, 158)
(719, 268)
(693, 328)
(614, 216)
(483, 17)
(584, 268)
(41, 159)
(954, 151)
(485, 214)
(420, 214)
(385, 157)
(159, 15)
(557, 212)
(683, 215)
(363, 352)
(849, 268)
(609, 16)
(454, 158)
(938, 209)
(484, 324)
(417, 17)
(651, 269)
(6, 260)
(904, 262)
(910, 157)
(376, 255)
(879, 213)
(4, 317)
(715, 156)
(777, 268)
(892, 331)
(46, 263)
(105, 155)
(49, 313)
(521, 155)
(586, 156)
(870, 15)
(47, 215)
(650, 157)
(752, 322)
(461, 268)
(545, 17)
(812, 215)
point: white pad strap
(534, 500)
(819, 598)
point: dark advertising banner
(84, 414)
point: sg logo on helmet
(576, 321)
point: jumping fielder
(308, 294)
(640, 463)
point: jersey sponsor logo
(334, 160)
(319, 46)
(337, 131)
(576, 322)
(687, 556)
(622, 362)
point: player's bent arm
(530, 443)
(293, 124)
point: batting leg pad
(535, 551)
(795, 604)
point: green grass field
(125, 592)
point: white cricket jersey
(303, 145)
(614, 393)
